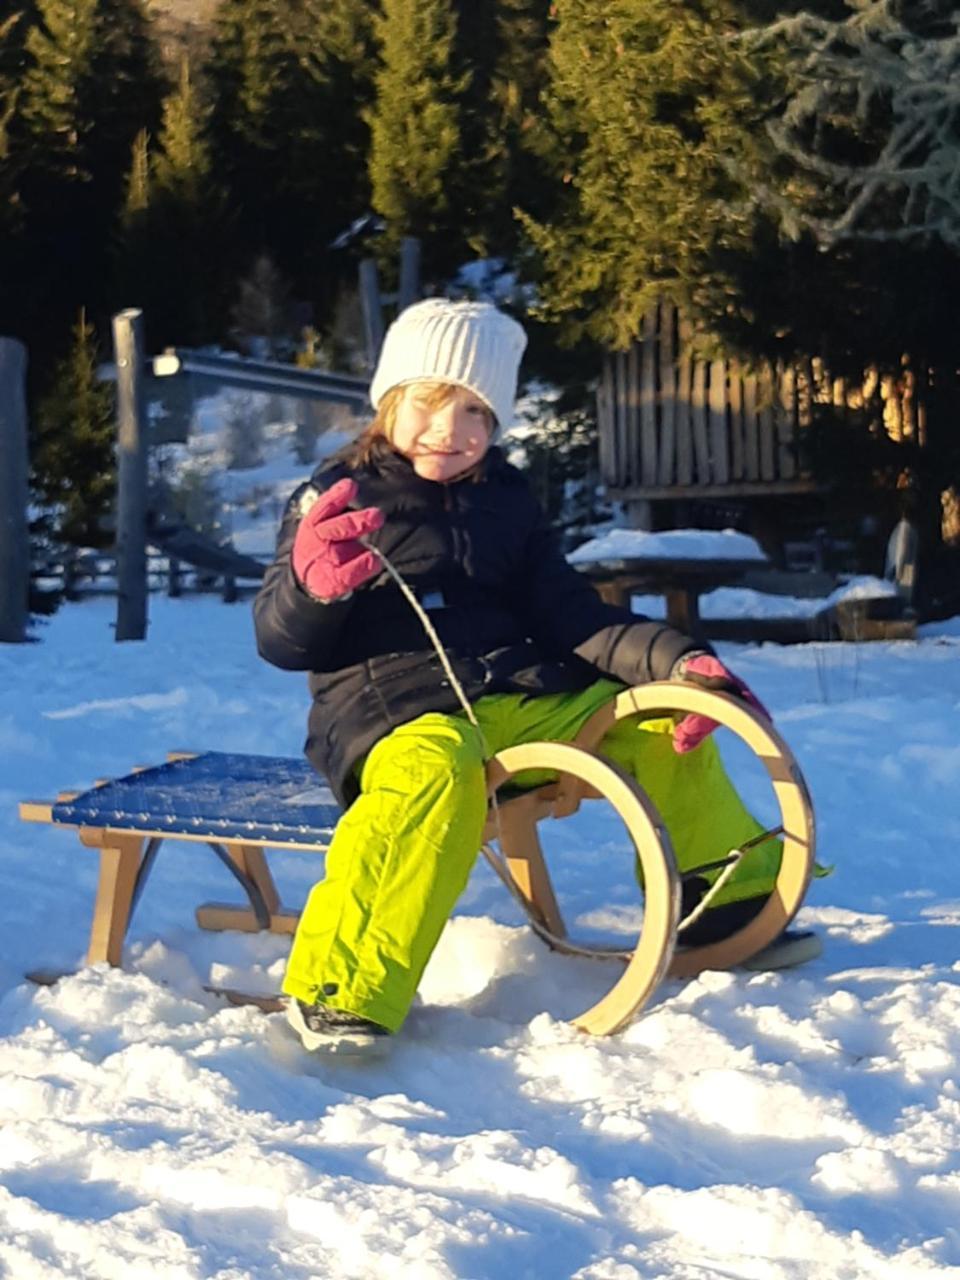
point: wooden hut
(675, 426)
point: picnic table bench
(679, 564)
(681, 582)
(241, 806)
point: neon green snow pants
(401, 854)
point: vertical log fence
(675, 425)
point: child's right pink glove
(327, 558)
(709, 673)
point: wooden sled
(242, 806)
(656, 955)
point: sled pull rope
(729, 864)
(432, 636)
(435, 640)
(308, 500)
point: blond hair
(378, 434)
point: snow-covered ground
(770, 1127)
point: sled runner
(241, 806)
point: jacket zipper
(450, 506)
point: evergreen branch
(861, 80)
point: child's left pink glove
(709, 673)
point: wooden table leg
(614, 592)
(683, 609)
(119, 864)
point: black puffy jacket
(512, 615)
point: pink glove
(327, 558)
(710, 673)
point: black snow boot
(335, 1031)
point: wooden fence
(75, 576)
(672, 425)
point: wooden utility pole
(372, 306)
(409, 272)
(131, 477)
(14, 538)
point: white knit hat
(470, 344)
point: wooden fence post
(372, 308)
(131, 477)
(14, 538)
(409, 290)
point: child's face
(442, 441)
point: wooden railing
(95, 574)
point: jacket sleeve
(294, 631)
(566, 616)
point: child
(532, 645)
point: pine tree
(515, 143)
(89, 85)
(415, 138)
(262, 313)
(860, 258)
(654, 114)
(134, 253)
(137, 198)
(13, 277)
(12, 34)
(344, 38)
(174, 224)
(289, 81)
(13, 30)
(475, 185)
(499, 51)
(74, 473)
(183, 165)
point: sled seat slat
(213, 795)
(238, 805)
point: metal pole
(372, 309)
(131, 477)
(409, 272)
(14, 537)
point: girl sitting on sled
(531, 645)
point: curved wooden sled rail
(654, 957)
(651, 957)
(793, 799)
